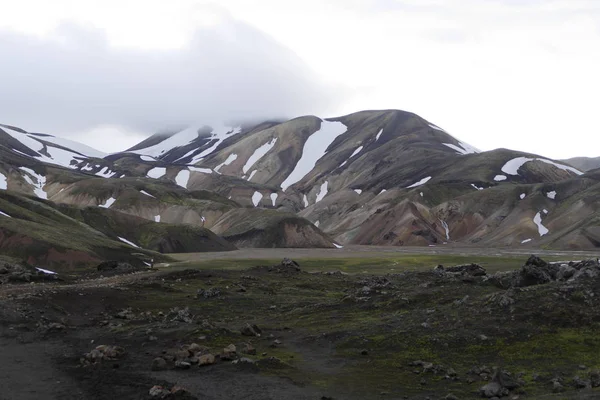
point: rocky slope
(384, 177)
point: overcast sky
(521, 74)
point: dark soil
(413, 335)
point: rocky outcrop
(538, 272)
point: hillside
(385, 177)
(584, 163)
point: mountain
(584, 163)
(385, 177)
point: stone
(159, 364)
(182, 365)
(492, 389)
(250, 330)
(581, 383)
(158, 392)
(249, 349)
(206, 359)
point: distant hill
(584, 163)
(384, 177)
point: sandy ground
(376, 252)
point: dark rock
(206, 359)
(250, 330)
(159, 364)
(287, 263)
(249, 349)
(581, 383)
(208, 293)
(595, 379)
(182, 365)
(470, 269)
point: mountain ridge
(373, 177)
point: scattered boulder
(159, 364)
(501, 384)
(182, 365)
(206, 359)
(102, 353)
(229, 353)
(208, 293)
(469, 269)
(249, 349)
(175, 393)
(125, 314)
(250, 330)
(21, 272)
(177, 314)
(117, 267)
(538, 272)
(287, 263)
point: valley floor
(355, 323)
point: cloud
(73, 80)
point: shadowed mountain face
(584, 163)
(374, 177)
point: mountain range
(384, 177)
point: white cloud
(496, 73)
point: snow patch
(187, 136)
(105, 173)
(128, 242)
(202, 170)
(358, 150)
(182, 178)
(231, 158)
(512, 166)
(3, 184)
(337, 246)
(421, 194)
(446, 228)
(258, 154)
(322, 192)
(522, 196)
(359, 191)
(71, 145)
(305, 199)
(45, 271)
(436, 127)
(147, 158)
(256, 198)
(382, 191)
(252, 174)
(421, 182)
(317, 224)
(157, 218)
(379, 134)
(545, 211)
(219, 134)
(156, 172)
(274, 198)
(500, 178)
(38, 186)
(108, 203)
(476, 187)
(538, 221)
(5, 214)
(551, 195)
(146, 193)
(526, 241)
(463, 148)
(314, 148)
